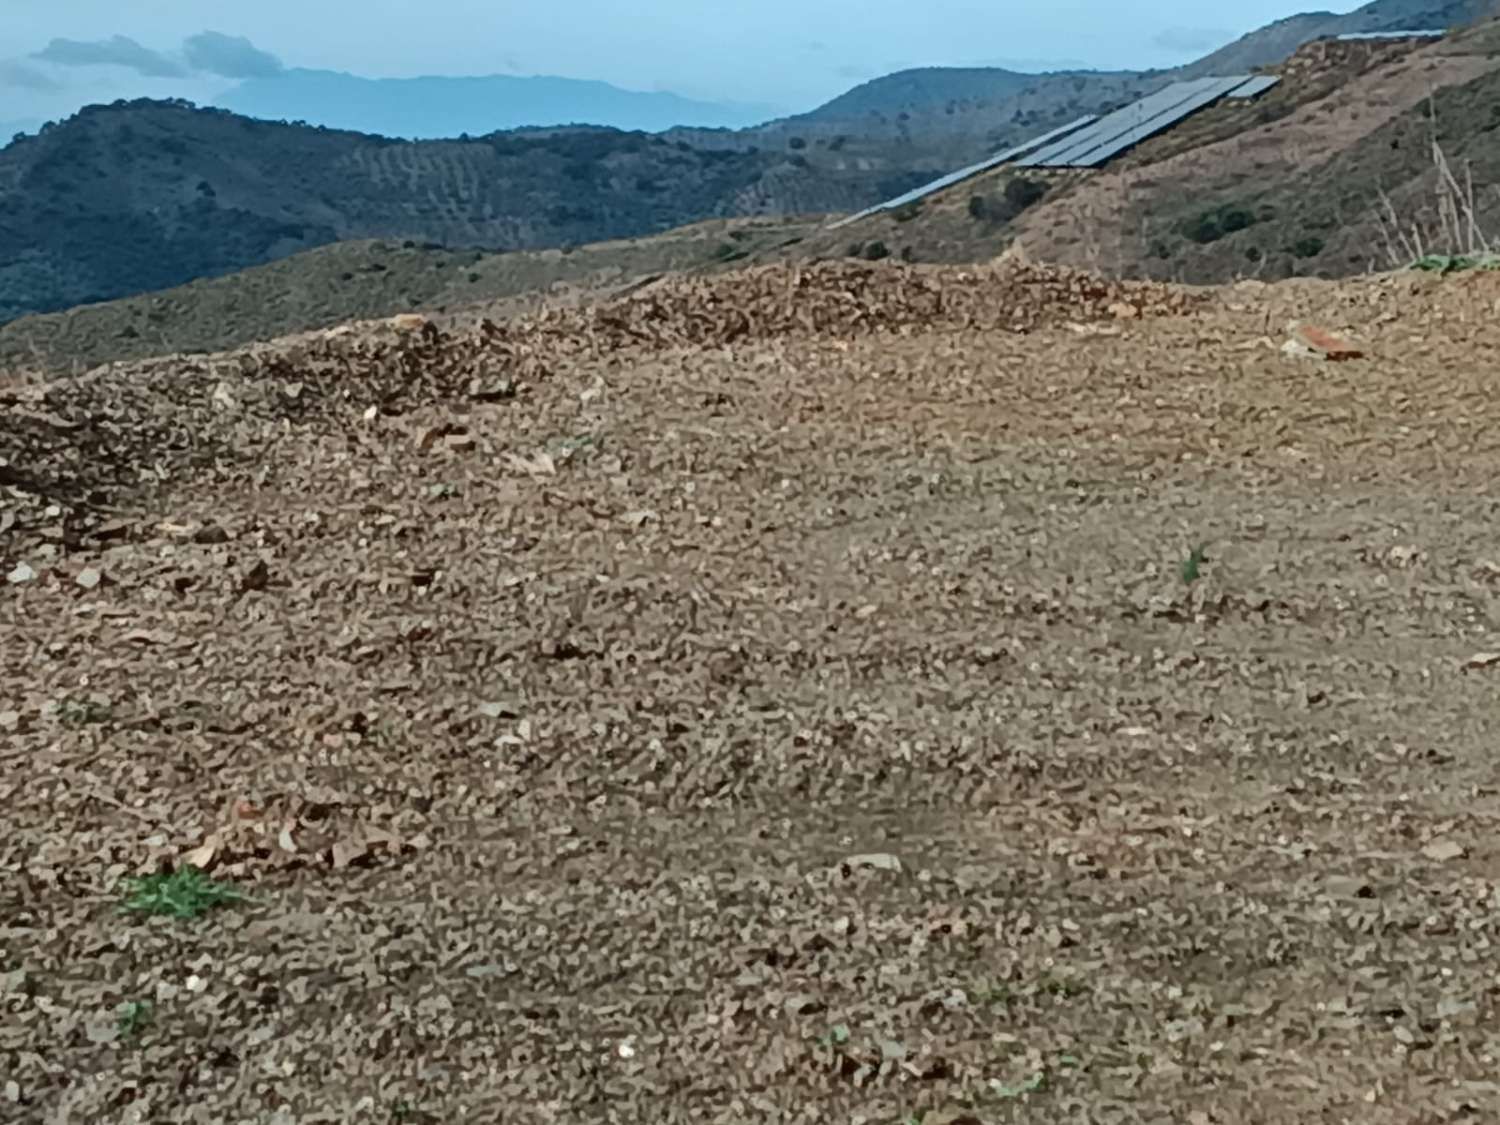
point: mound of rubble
(67, 448)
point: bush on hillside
(1210, 226)
(1021, 193)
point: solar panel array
(1091, 141)
(1118, 131)
(966, 173)
(1255, 87)
(1424, 33)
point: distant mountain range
(438, 107)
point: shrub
(1308, 246)
(1210, 226)
(877, 250)
(796, 143)
(1021, 193)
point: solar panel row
(1211, 92)
(1255, 87)
(1090, 141)
(1424, 33)
(1119, 130)
(966, 173)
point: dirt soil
(771, 697)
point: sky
(792, 55)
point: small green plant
(1062, 987)
(1000, 994)
(1029, 1086)
(1456, 263)
(134, 1018)
(184, 893)
(1192, 566)
(83, 712)
(907, 211)
(835, 1036)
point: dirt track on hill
(773, 699)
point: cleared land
(774, 697)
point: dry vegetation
(842, 693)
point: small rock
(498, 711)
(1123, 310)
(89, 578)
(1322, 343)
(803, 1005)
(1444, 850)
(10, 720)
(22, 573)
(407, 322)
(496, 391)
(873, 861)
(1478, 660)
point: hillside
(444, 107)
(141, 196)
(847, 693)
(1299, 189)
(1288, 184)
(1273, 43)
(933, 118)
(363, 279)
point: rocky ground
(849, 694)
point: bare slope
(787, 706)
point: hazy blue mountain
(437, 107)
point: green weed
(1456, 263)
(83, 712)
(134, 1018)
(184, 893)
(1191, 567)
(835, 1036)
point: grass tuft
(134, 1018)
(1191, 567)
(184, 893)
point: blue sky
(790, 54)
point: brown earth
(769, 697)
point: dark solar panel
(1118, 131)
(1255, 87)
(965, 173)
(1062, 154)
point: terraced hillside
(134, 197)
(837, 692)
